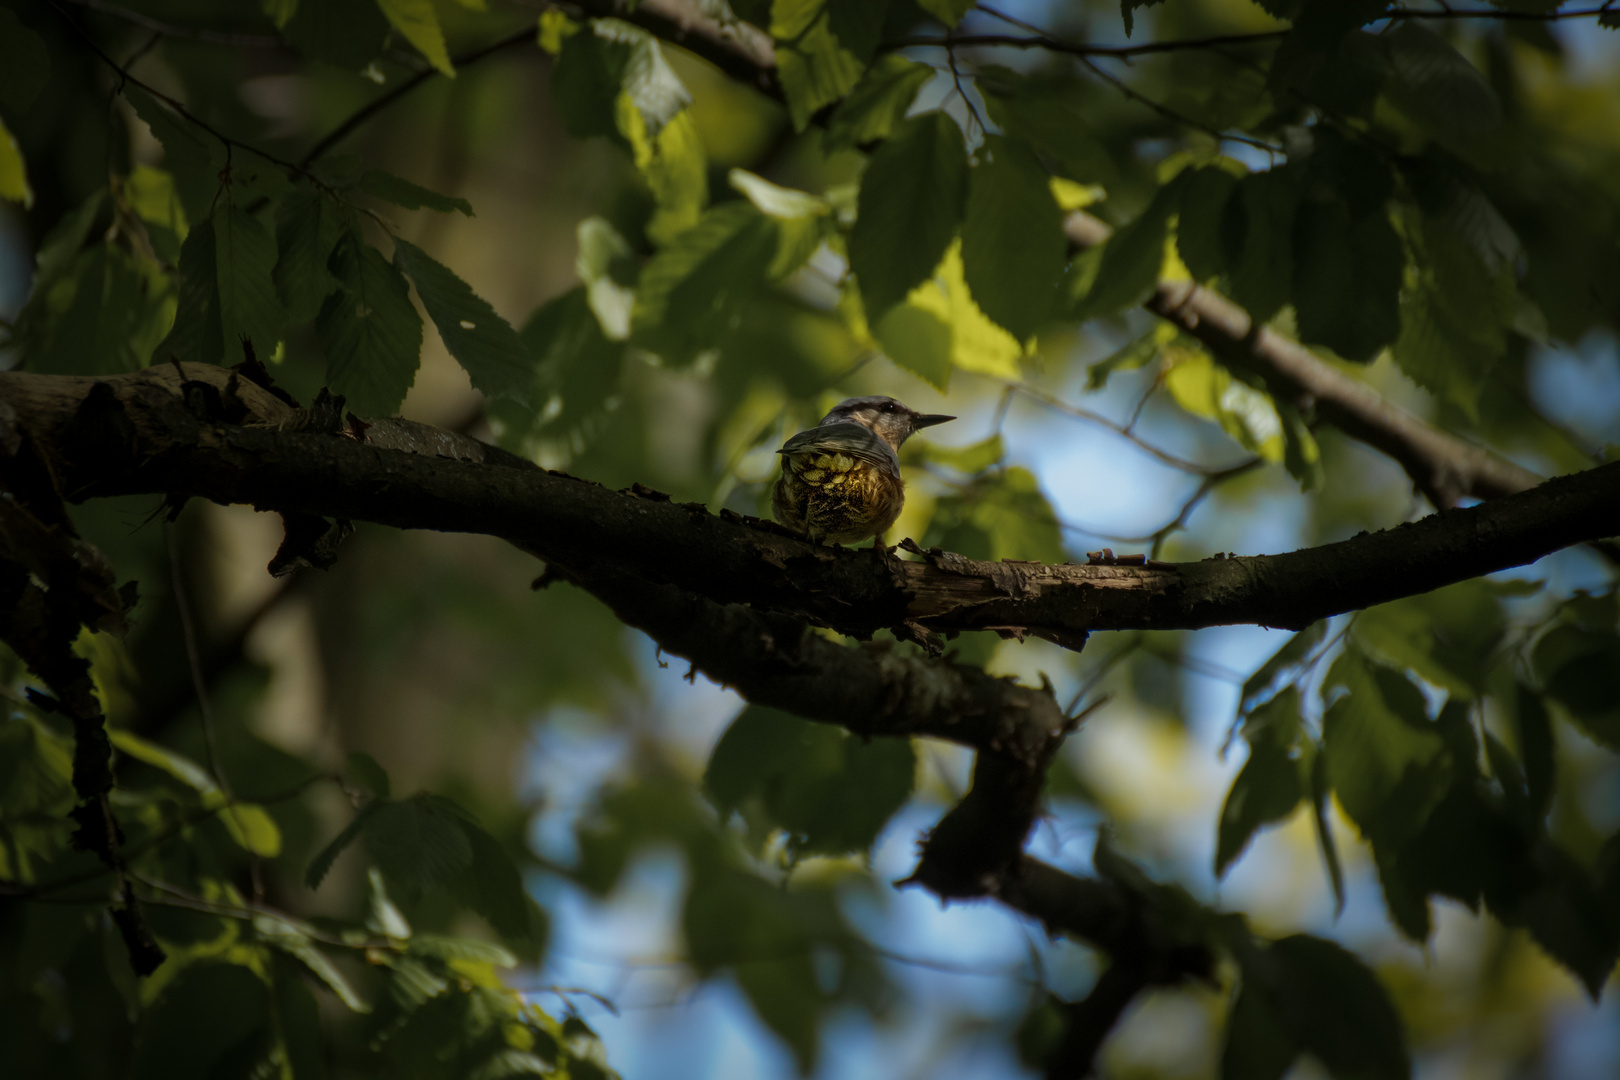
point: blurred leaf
(576, 376)
(13, 174)
(1302, 456)
(1320, 793)
(949, 12)
(205, 1019)
(24, 64)
(830, 791)
(911, 199)
(1001, 515)
(293, 939)
(1012, 237)
(691, 292)
(371, 331)
(973, 458)
(197, 335)
(1347, 279)
(346, 33)
(1258, 1044)
(1388, 765)
(152, 195)
(186, 147)
(1331, 1005)
(1293, 653)
(1256, 229)
(101, 315)
(1026, 108)
(1137, 354)
(1447, 637)
(917, 340)
(1533, 730)
(822, 50)
(1204, 194)
(675, 169)
(1432, 82)
(418, 843)
(963, 336)
(321, 864)
(245, 259)
(616, 61)
(878, 103)
(1556, 899)
(1266, 790)
(608, 268)
(380, 184)
(1123, 271)
(418, 23)
(801, 219)
(1580, 669)
(483, 343)
(364, 770)
(492, 885)
(1204, 388)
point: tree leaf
(1388, 765)
(197, 335)
(418, 843)
(1447, 637)
(1258, 1044)
(822, 51)
(1577, 666)
(293, 938)
(492, 885)
(949, 12)
(919, 341)
(616, 59)
(186, 147)
(13, 174)
(383, 185)
(1257, 240)
(1124, 270)
(208, 1012)
(1337, 1010)
(911, 199)
(418, 23)
(372, 333)
(830, 791)
(1293, 653)
(1347, 279)
(691, 292)
(483, 343)
(245, 260)
(1434, 84)
(1204, 194)
(321, 864)
(1266, 790)
(1012, 237)
(364, 770)
(1533, 730)
(308, 229)
(878, 103)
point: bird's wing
(852, 439)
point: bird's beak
(930, 420)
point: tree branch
(235, 443)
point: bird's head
(887, 418)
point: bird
(840, 480)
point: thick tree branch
(137, 434)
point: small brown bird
(841, 479)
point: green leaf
(802, 220)
(1205, 388)
(616, 59)
(1292, 655)
(152, 195)
(1576, 666)
(1001, 515)
(971, 459)
(418, 843)
(1388, 765)
(321, 864)
(1533, 729)
(1336, 1008)
(418, 23)
(245, 260)
(1204, 194)
(197, 335)
(307, 232)
(609, 269)
(831, 792)
(201, 1021)
(1347, 279)
(364, 770)
(1257, 229)
(1434, 84)
(878, 104)
(1122, 272)
(100, 316)
(372, 333)
(1271, 783)
(1258, 1044)
(911, 199)
(949, 12)
(1447, 637)
(386, 186)
(492, 885)
(24, 64)
(13, 174)
(917, 340)
(576, 375)
(187, 148)
(691, 293)
(483, 343)
(1320, 790)
(1012, 237)
(1557, 900)
(1030, 109)
(293, 938)
(822, 51)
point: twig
(1081, 413)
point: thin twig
(1081, 413)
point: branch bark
(236, 443)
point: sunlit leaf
(13, 174)
(418, 23)
(822, 49)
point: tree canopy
(389, 396)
